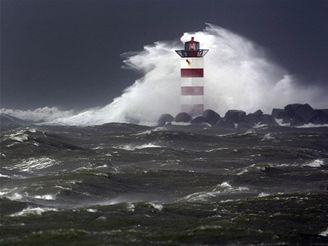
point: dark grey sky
(67, 52)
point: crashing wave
(259, 83)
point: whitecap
(143, 146)
(216, 149)
(223, 188)
(225, 185)
(267, 136)
(46, 197)
(245, 170)
(15, 196)
(225, 134)
(314, 163)
(31, 164)
(12, 144)
(5, 191)
(324, 233)
(147, 132)
(174, 123)
(98, 147)
(310, 125)
(200, 196)
(259, 125)
(102, 166)
(229, 200)
(157, 206)
(19, 136)
(280, 122)
(4, 176)
(248, 132)
(130, 207)
(263, 194)
(31, 210)
(63, 188)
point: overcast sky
(67, 53)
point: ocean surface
(124, 184)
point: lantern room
(192, 49)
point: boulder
(224, 123)
(278, 113)
(183, 117)
(291, 108)
(211, 116)
(235, 116)
(324, 111)
(244, 125)
(258, 113)
(252, 119)
(321, 117)
(300, 113)
(164, 119)
(198, 120)
(267, 119)
(306, 113)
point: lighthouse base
(193, 109)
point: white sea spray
(259, 82)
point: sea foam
(32, 210)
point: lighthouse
(192, 77)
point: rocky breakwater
(291, 115)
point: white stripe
(192, 62)
(192, 99)
(192, 81)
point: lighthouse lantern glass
(192, 49)
(191, 46)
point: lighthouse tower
(192, 78)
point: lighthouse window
(192, 46)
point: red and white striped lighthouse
(192, 78)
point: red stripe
(192, 72)
(192, 90)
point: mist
(237, 73)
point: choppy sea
(128, 184)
